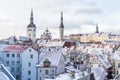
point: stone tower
(61, 28)
(31, 29)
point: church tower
(31, 28)
(61, 28)
(97, 31)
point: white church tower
(31, 29)
(61, 28)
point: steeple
(31, 17)
(61, 21)
(61, 28)
(31, 28)
(97, 31)
(31, 20)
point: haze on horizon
(80, 16)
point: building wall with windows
(12, 60)
(46, 72)
(29, 62)
(31, 32)
(117, 67)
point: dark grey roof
(31, 25)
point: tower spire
(97, 31)
(31, 17)
(61, 28)
(31, 28)
(61, 17)
(31, 20)
(61, 21)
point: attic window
(29, 50)
(46, 63)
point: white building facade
(11, 57)
(29, 62)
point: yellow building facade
(95, 37)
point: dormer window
(47, 63)
(29, 50)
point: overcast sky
(80, 16)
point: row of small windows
(12, 55)
(12, 62)
(18, 55)
(31, 30)
(46, 71)
(13, 69)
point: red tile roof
(18, 48)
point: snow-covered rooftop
(15, 48)
(18, 48)
(22, 38)
(67, 76)
(53, 54)
(99, 73)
